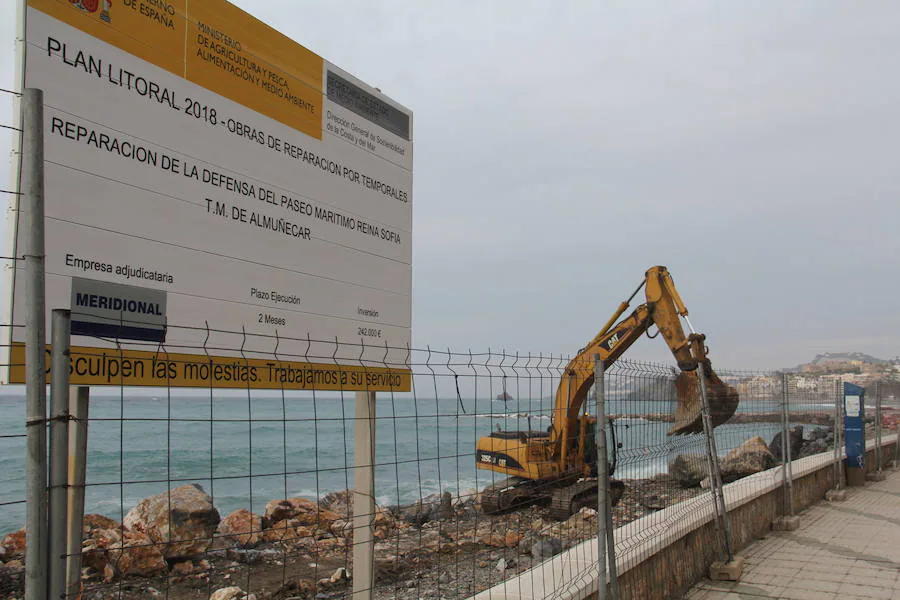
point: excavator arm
(663, 308)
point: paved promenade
(843, 550)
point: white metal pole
(878, 452)
(787, 470)
(715, 477)
(606, 543)
(79, 400)
(59, 448)
(602, 479)
(35, 345)
(839, 435)
(364, 497)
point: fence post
(878, 453)
(606, 546)
(35, 345)
(878, 474)
(787, 522)
(364, 497)
(896, 462)
(79, 399)
(838, 494)
(732, 567)
(59, 447)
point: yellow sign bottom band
(136, 368)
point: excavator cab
(590, 447)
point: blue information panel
(854, 425)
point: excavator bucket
(723, 401)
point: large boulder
(750, 457)
(341, 504)
(117, 552)
(231, 593)
(688, 469)
(428, 509)
(183, 520)
(13, 545)
(95, 521)
(815, 446)
(546, 547)
(301, 511)
(288, 532)
(417, 514)
(242, 528)
(796, 441)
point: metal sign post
(786, 522)
(32, 207)
(59, 450)
(606, 546)
(79, 399)
(732, 567)
(838, 494)
(364, 497)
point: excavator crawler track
(568, 500)
(504, 495)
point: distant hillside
(845, 362)
(845, 357)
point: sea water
(246, 450)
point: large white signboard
(196, 153)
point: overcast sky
(562, 148)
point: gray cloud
(563, 148)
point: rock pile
(177, 541)
(796, 440)
(753, 456)
(689, 469)
(803, 444)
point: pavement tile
(846, 551)
(755, 578)
(798, 594)
(872, 576)
(778, 571)
(838, 576)
(709, 584)
(807, 583)
(865, 591)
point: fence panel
(192, 490)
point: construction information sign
(205, 175)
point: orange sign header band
(211, 43)
(111, 367)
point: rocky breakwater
(804, 443)
(753, 456)
(176, 545)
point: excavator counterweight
(561, 464)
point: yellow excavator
(559, 464)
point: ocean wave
(510, 416)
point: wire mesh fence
(190, 490)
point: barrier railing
(297, 492)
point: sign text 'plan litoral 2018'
(213, 189)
